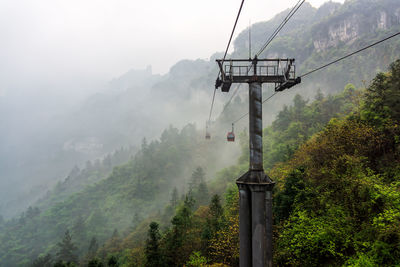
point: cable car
(208, 136)
(231, 136)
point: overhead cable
(226, 51)
(283, 23)
(269, 40)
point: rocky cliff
(353, 20)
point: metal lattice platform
(281, 72)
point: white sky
(48, 42)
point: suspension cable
(226, 51)
(279, 28)
(269, 40)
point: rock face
(388, 19)
(346, 30)
(346, 27)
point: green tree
(93, 247)
(153, 255)
(202, 196)
(213, 223)
(79, 232)
(198, 187)
(174, 197)
(284, 200)
(178, 240)
(61, 263)
(66, 249)
(196, 178)
(95, 263)
(196, 260)
(43, 261)
(113, 244)
(112, 261)
(382, 99)
(216, 212)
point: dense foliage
(130, 193)
(338, 199)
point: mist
(66, 66)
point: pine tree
(79, 229)
(176, 242)
(382, 99)
(152, 246)
(88, 166)
(136, 219)
(213, 223)
(112, 261)
(174, 197)
(66, 249)
(43, 261)
(216, 211)
(115, 234)
(113, 245)
(93, 247)
(95, 263)
(197, 177)
(74, 172)
(202, 194)
(319, 96)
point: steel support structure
(255, 191)
(255, 187)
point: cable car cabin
(230, 137)
(208, 136)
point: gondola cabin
(208, 135)
(230, 137)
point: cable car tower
(255, 187)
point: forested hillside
(333, 151)
(80, 178)
(336, 164)
(335, 161)
(131, 193)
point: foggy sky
(55, 53)
(74, 45)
